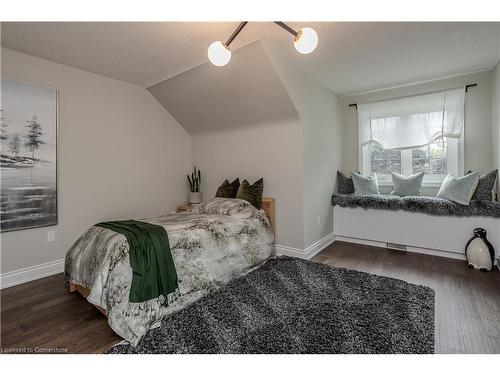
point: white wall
(243, 124)
(322, 129)
(272, 151)
(478, 133)
(120, 155)
(495, 112)
(297, 155)
(320, 111)
(495, 118)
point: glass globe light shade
(306, 41)
(219, 54)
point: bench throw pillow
(365, 185)
(405, 186)
(459, 189)
(344, 184)
(228, 190)
(486, 187)
(251, 193)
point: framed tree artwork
(28, 155)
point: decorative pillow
(228, 190)
(364, 185)
(486, 187)
(251, 193)
(459, 189)
(405, 186)
(222, 206)
(344, 183)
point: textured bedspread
(216, 242)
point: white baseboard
(24, 275)
(411, 249)
(31, 273)
(290, 251)
(51, 268)
(309, 252)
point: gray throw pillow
(486, 187)
(459, 189)
(228, 190)
(405, 186)
(251, 193)
(365, 185)
(344, 184)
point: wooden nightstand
(184, 207)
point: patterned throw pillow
(344, 183)
(459, 189)
(228, 190)
(486, 187)
(365, 185)
(251, 193)
(405, 186)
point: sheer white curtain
(412, 122)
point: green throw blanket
(150, 259)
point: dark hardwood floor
(42, 315)
(467, 318)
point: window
(383, 162)
(431, 159)
(413, 134)
(436, 159)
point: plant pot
(194, 197)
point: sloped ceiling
(143, 53)
(248, 91)
(352, 57)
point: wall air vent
(396, 246)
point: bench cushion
(423, 204)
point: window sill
(429, 184)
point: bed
(213, 243)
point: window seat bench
(421, 204)
(420, 224)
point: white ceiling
(351, 57)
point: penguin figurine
(479, 251)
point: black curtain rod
(471, 85)
(466, 90)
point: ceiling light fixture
(306, 39)
(305, 42)
(219, 53)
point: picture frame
(28, 155)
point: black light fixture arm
(287, 28)
(243, 24)
(235, 33)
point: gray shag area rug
(291, 305)
(427, 205)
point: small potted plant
(194, 185)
